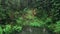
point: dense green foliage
(15, 14)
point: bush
(36, 13)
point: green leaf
(1, 30)
(17, 28)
